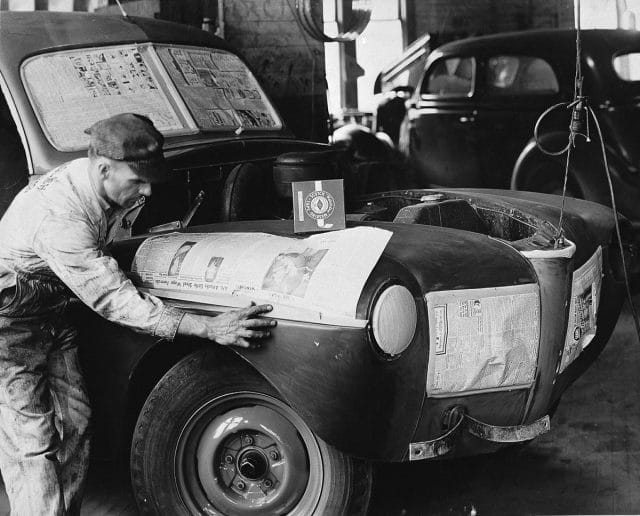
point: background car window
(627, 66)
(520, 75)
(453, 76)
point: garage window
(520, 75)
(450, 77)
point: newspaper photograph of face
(178, 258)
(291, 271)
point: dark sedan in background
(471, 119)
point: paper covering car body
(440, 323)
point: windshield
(184, 90)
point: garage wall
(446, 20)
(289, 63)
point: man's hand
(232, 328)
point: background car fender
(531, 158)
(586, 170)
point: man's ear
(104, 168)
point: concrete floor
(588, 464)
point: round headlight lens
(394, 319)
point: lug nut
(248, 439)
(240, 485)
(274, 455)
(267, 482)
(228, 459)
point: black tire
(546, 175)
(201, 446)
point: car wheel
(218, 440)
(547, 176)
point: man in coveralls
(52, 241)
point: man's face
(123, 186)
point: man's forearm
(192, 325)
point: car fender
(121, 369)
(329, 374)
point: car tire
(215, 438)
(546, 175)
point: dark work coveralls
(52, 241)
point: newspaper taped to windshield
(583, 310)
(325, 272)
(483, 339)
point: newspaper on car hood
(322, 274)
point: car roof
(558, 47)
(547, 40)
(28, 33)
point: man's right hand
(232, 328)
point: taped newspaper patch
(583, 309)
(482, 339)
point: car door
(512, 90)
(441, 125)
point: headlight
(394, 320)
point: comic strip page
(218, 88)
(74, 89)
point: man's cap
(132, 138)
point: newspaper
(482, 339)
(324, 272)
(76, 88)
(218, 88)
(583, 309)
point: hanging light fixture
(355, 18)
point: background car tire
(546, 175)
(196, 436)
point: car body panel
(335, 380)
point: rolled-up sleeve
(69, 246)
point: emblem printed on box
(318, 205)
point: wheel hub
(252, 464)
(250, 460)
